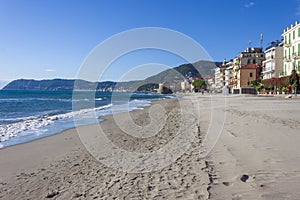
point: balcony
(287, 59)
(287, 44)
(269, 69)
(237, 69)
(296, 55)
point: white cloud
(249, 5)
(50, 70)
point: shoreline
(48, 133)
(52, 165)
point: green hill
(169, 76)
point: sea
(29, 115)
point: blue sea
(30, 115)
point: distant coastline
(172, 76)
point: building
(291, 49)
(185, 86)
(209, 83)
(245, 69)
(246, 75)
(273, 65)
(220, 78)
(228, 74)
(251, 56)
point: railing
(287, 43)
(268, 69)
(287, 59)
(296, 55)
(237, 69)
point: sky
(52, 38)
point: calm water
(29, 115)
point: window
(284, 69)
(285, 39)
(250, 74)
(293, 35)
(285, 54)
(298, 49)
(293, 50)
(294, 66)
(298, 32)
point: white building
(185, 86)
(228, 73)
(210, 83)
(273, 65)
(291, 60)
(219, 78)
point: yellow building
(246, 68)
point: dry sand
(261, 140)
(256, 157)
(59, 167)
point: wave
(18, 118)
(8, 131)
(28, 128)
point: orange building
(247, 74)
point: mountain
(206, 68)
(57, 85)
(169, 77)
(25, 84)
(174, 75)
(178, 74)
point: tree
(199, 84)
(256, 82)
(294, 80)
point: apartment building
(220, 78)
(291, 49)
(272, 67)
(246, 68)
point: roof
(274, 44)
(253, 50)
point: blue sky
(51, 38)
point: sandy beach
(256, 157)
(260, 140)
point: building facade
(245, 69)
(209, 80)
(220, 78)
(273, 65)
(246, 75)
(228, 74)
(185, 86)
(291, 50)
